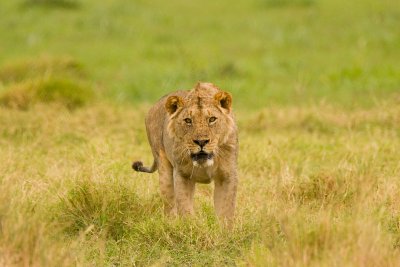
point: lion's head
(200, 123)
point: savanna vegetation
(316, 88)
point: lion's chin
(202, 159)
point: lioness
(193, 138)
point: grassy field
(316, 87)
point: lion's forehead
(199, 101)
(201, 112)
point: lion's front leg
(225, 196)
(184, 191)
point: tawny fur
(182, 124)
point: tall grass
(309, 194)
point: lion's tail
(138, 166)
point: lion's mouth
(201, 156)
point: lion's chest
(202, 175)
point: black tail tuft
(137, 165)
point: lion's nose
(201, 143)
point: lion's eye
(188, 121)
(212, 119)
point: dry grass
(319, 187)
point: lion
(193, 138)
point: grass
(266, 52)
(320, 195)
(316, 94)
(47, 80)
(69, 93)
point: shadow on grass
(62, 4)
(45, 79)
(67, 92)
(288, 3)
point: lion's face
(200, 124)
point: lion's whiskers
(191, 175)
(182, 154)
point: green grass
(316, 93)
(264, 51)
(47, 80)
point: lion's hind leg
(166, 184)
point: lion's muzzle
(202, 158)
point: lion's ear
(173, 103)
(224, 99)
